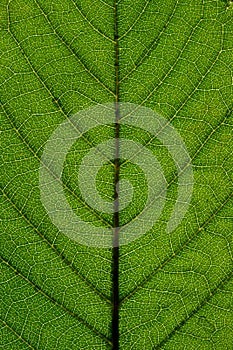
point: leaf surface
(58, 58)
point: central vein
(115, 239)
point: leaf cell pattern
(59, 57)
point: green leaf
(175, 289)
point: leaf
(175, 289)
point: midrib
(115, 239)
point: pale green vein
(173, 66)
(48, 297)
(208, 137)
(92, 26)
(40, 161)
(54, 249)
(176, 253)
(195, 88)
(195, 311)
(56, 101)
(62, 40)
(69, 264)
(173, 180)
(136, 20)
(69, 47)
(106, 4)
(166, 75)
(19, 336)
(151, 47)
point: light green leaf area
(57, 58)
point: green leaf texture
(59, 57)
